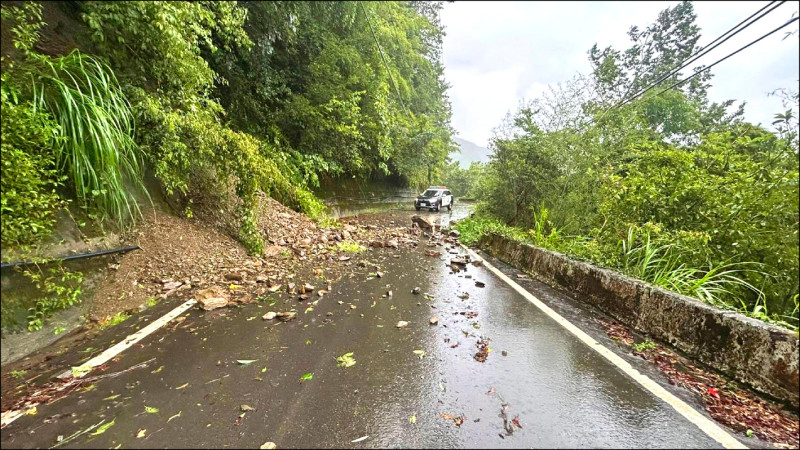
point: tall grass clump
(98, 152)
(719, 285)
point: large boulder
(212, 298)
(421, 222)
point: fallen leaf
(346, 360)
(140, 433)
(150, 410)
(359, 439)
(103, 428)
(307, 376)
(713, 392)
(112, 397)
(420, 353)
(245, 362)
(158, 370)
(245, 408)
(413, 419)
(174, 416)
(182, 386)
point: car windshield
(430, 193)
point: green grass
(646, 345)
(115, 320)
(97, 152)
(151, 301)
(350, 247)
(18, 374)
(640, 257)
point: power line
(707, 49)
(377, 44)
(701, 53)
(726, 57)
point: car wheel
(418, 208)
(450, 207)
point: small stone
(308, 288)
(416, 291)
(352, 306)
(402, 324)
(434, 320)
(480, 284)
(245, 408)
(234, 276)
(269, 316)
(329, 314)
(504, 353)
(286, 316)
(268, 446)
(171, 285)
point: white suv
(434, 198)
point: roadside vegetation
(670, 187)
(220, 101)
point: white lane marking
(705, 424)
(102, 358)
(126, 343)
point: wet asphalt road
(563, 393)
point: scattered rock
(307, 288)
(234, 276)
(269, 316)
(480, 284)
(504, 353)
(455, 233)
(352, 306)
(268, 446)
(433, 253)
(286, 316)
(477, 262)
(392, 243)
(459, 261)
(421, 222)
(273, 251)
(522, 276)
(416, 291)
(344, 258)
(402, 324)
(246, 408)
(434, 320)
(172, 285)
(212, 298)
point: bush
(29, 178)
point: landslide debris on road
(180, 256)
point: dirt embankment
(179, 256)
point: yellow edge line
(705, 424)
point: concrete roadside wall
(759, 354)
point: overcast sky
(497, 53)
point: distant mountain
(470, 152)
